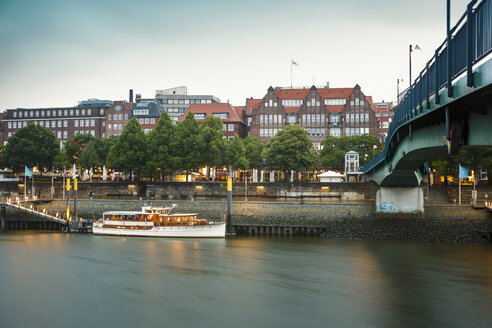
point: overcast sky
(54, 53)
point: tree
(332, 154)
(210, 142)
(75, 146)
(291, 149)
(186, 152)
(160, 150)
(89, 156)
(61, 160)
(129, 153)
(32, 145)
(254, 151)
(236, 154)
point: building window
(270, 132)
(261, 132)
(87, 123)
(308, 118)
(76, 123)
(126, 116)
(65, 134)
(81, 123)
(93, 122)
(14, 114)
(89, 111)
(261, 119)
(313, 118)
(140, 120)
(303, 118)
(249, 121)
(351, 103)
(77, 112)
(65, 112)
(109, 117)
(199, 116)
(115, 126)
(101, 111)
(231, 127)
(222, 116)
(367, 117)
(10, 125)
(357, 101)
(362, 117)
(318, 118)
(103, 123)
(82, 112)
(37, 113)
(65, 123)
(109, 126)
(71, 112)
(146, 120)
(58, 134)
(59, 123)
(152, 120)
(10, 134)
(356, 117)
(274, 118)
(120, 126)
(31, 113)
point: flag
(463, 172)
(28, 172)
(293, 62)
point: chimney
(131, 96)
(327, 84)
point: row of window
(117, 117)
(355, 117)
(384, 114)
(313, 102)
(175, 109)
(83, 123)
(315, 132)
(357, 102)
(268, 132)
(186, 101)
(54, 112)
(53, 124)
(356, 131)
(271, 118)
(115, 126)
(146, 120)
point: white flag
(293, 62)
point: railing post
(448, 124)
(448, 46)
(469, 44)
(437, 99)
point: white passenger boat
(156, 222)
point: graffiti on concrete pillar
(387, 207)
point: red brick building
(384, 114)
(65, 122)
(230, 116)
(321, 111)
(116, 117)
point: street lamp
(398, 90)
(411, 48)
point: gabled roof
(209, 109)
(251, 105)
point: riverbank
(440, 223)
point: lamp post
(398, 90)
(411, 48)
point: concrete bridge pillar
(398, 200)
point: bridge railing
(471, 41)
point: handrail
(467, 47)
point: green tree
(160, 140)
(254, 151)
(186, 151)
(236, 154)
(211, 143)
(75, 146)
(129, 153)
(332, 154)
(291, 149)
(32, 145)
(89, 156)
(61, 160)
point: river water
(80, 280)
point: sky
(55, 53)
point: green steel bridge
(447, 107)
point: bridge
(447, 107)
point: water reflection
(280, 281)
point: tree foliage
(75, 146)
(211, 143)
(32, 145)
(254, 151)
(129, 153)
(332, 154)
(186, 150)
(291, 149)
(236, 154)
(160, 141)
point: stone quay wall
(309, 192)
(440, 223)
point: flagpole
(25, 185)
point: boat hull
(191, 231)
